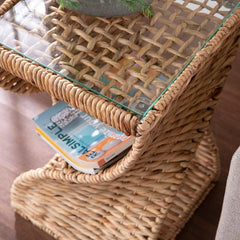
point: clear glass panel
(129, 60)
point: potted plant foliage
(108, 8)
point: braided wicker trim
(102, 109)
(67, 91)
(145, 204)
(106, 111)
(14, 84)
(107, 175)
(8, 4)
(163, 105)
(88, 49)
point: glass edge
(72, 80)
(204, 44)
(111, 100)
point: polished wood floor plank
(21, 149)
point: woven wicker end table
(183, 55)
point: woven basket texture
(153, 191)
(12, 83)
(146, 203)
(85, 48)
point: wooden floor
(21, 149)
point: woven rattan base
(122, 209)
(156, 187)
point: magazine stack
(86, 143)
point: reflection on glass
(129, 60)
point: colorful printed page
(83, 138)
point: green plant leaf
(131, 4)
(68, 3)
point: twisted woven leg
(14, 84)
(147, 206)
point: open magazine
(86, 143)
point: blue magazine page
(86, 140)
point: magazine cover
(65, 155)
(82, 139)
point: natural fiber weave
(67, 91)
(152, 191)
(151, 201)
(15, 84)
(85, 48)
(7, 5)
(165, 45)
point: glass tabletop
(129, 60)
